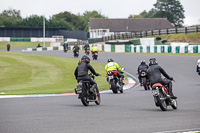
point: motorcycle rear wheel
(113, 86)
(161, 102)
(144, 82)
(84, 100)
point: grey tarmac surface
(131, 112)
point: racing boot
(170, 91)
(93, 87)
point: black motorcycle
(83, 90)
(115, 83)
(144, 80)
(76, 54)
(161, 97)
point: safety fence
(152, 49)
(126, 48)
(128, 35)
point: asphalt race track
(133, 111)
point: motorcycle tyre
(161, 103)
(84, 100)
(144, 82)
(98, 97)
(113, 86)
(174, 106)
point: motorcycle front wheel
(98, 98)
(174, 104)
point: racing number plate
(110, 77)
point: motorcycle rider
(198, 66)
(94, 48)
(87, 46)
(113, 66)
(154, 74)
(81, 72)
(142, 68)
(75, 49)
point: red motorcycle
(94, 55)
(161, 97)
(115, 83)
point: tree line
(67, 20)
(170, 9)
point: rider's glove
(171, 78)
(97, 74)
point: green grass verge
(3, 45)
(191, 38)
(35, 74)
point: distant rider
(142, 68)
(87, 46)
(154, 73)
(113, 66)
(94, 48)
(75, 49)
(198, 66)
(81, 72)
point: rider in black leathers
(142, 68)
(154, 74)
(86, 46)
(75, 49)
(81, 72)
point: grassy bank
(3, 45)
(34, 74)
(190, 38)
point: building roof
(130, 25)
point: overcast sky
(109, 8)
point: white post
(44, 31)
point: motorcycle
(87, 51)
(76, 54)
(95, 55)
(115, 83)
(144, 80)
(161, 97)
(83, 90)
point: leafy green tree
(170, 9)
(91, 14)
(32, 21)
(10, 18)
(53, 23)
(74, 20)
(144, 14)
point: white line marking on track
(193, 130)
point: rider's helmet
(110, 60)
(85, 58)
(153, 61)
(143, 62)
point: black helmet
(110, 60)
(85, 58)
(143, 62)
(153, 61)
